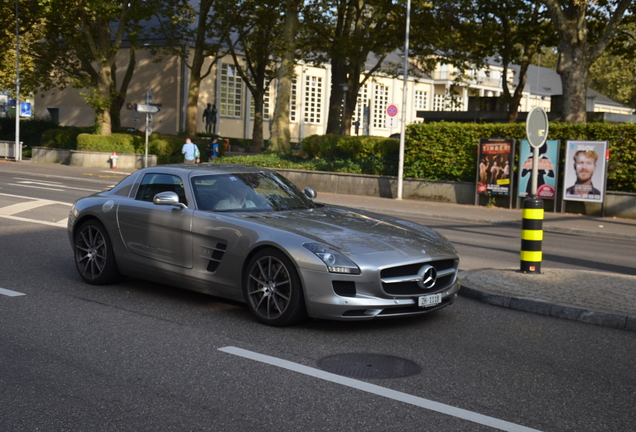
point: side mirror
(311, 193)
(168, 198)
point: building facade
(167, 79)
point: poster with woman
(585, 171)
(496, 158)
(548, 169)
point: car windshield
(264, 191)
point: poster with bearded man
(585, 167)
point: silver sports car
(249, 234)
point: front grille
(344, 288)
(446, 271)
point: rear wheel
(94, 257)
(273, 290)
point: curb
(558, 311)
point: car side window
(152, 184)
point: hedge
(120, 143)
(448, 151)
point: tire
(272, 289)
(94, 257)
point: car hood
(355, 232)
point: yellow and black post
(531, 235)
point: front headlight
(334, 260)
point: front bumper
(323, 302)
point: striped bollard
(531, 235)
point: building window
(439, 102)
(266, 102)
(361, 104)
(313, 100)
(231, 94)
(380, 103)
(293, 114)
(420, 103)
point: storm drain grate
(361, 365)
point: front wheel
(273, 290)
(94, 257)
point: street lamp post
(404, 94)
(18, 146)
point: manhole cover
(369, 366)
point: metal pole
(535, 171)
(18, 146)
(404, 93)
(147, 123)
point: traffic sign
(537, 127)
(145, 108)
(392, 110)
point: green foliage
(62, 138)
(31, 130)
(120, 143)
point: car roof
(210, 168)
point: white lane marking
(380, 391)
(21, 207)
(25, 182)
(60, 224)
(8, 212)
(10, 293)
(36, 187)
(37, 199)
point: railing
(7, 149)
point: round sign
(391, 110)
(537, 127)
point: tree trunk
(192, 111)
(118, 97)
(338, 77)
(573, 68)
(196, 74)
(257, 131)
(279, 125)
(102, 101)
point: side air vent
(213, 255)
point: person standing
(190, 152)
(209, 116)
(213, 150)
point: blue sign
(12, 102)
(25, 109)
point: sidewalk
(569, 294)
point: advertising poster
(548, 169)
(496, 158)
(585, 168)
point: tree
(279, 124)
(256, 27)
(614, 73)
(30, 31)
(510, 31)
(203, 41)
(81, 45)
(585, 29)
(347, 32)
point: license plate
(429, 300)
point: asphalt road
(138, 356)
